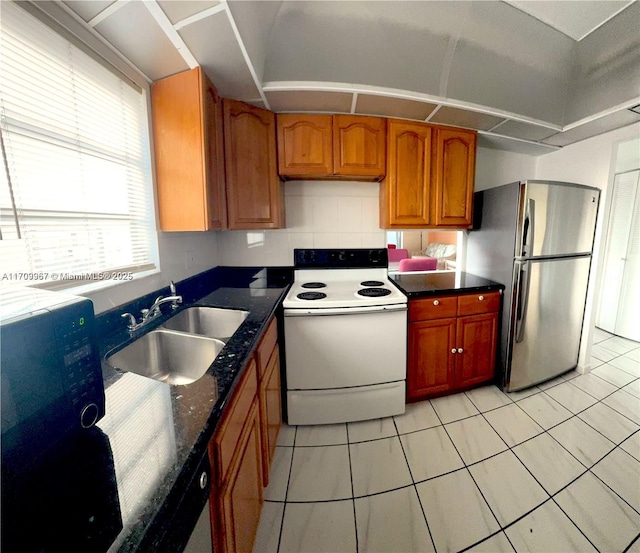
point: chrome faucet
(151, 313)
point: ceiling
(530, 76)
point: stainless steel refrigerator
(536, 238)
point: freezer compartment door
(547, 319)
(556, 219)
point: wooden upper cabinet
(344, 147)
(405, 192)
(189, 152)
(359, 146)
(254, 192)
(455, 162)
(305, 145)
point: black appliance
(50, 371)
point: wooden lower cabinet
(242, 448)
(240, 499)
(451, 353)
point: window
(75, 186)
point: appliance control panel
(81, 362)
(359, 258)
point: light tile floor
(555, 468)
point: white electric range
(345, 338)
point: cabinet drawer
(433, 308)
(265, 349)
(228, 434)
(484, 302)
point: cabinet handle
(436, 302)
(460, 350)
(481, 298)
(453, 350)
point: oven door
(339, 348)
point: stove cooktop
(336, 288)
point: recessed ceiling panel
(510, 61)
(88, 10)
(574, 19)
(463, 118)
(134, 31)
(214, 45)
(599, 126)
(391, 44)
(508, 145)
(387, 106)
(310, 101)
(177, 10)
(606, 67)
(254, 20)
(525, 131)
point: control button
(89, 415)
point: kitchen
(334, 214)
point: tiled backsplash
(320, 214)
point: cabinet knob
(453, 350)
(460, 350)
(204, 479)
(481, 298)
(436, 302)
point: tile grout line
(353, 501)
(413, 483)
(286, 493)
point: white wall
(320, 214)
(495, 167)
(182, 254)
(589, 162)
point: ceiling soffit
(482, 65)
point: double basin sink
(182, 349)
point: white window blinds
(75, 189)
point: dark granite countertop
(416, 285)
(146, 450)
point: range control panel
(355, 258)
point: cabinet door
(254, 191)
(241, 498)
(187, 136)
(405, 194)
(359, 146)
(455, 163)
(304, 145)
(214, 157)
(431, 362)
(476, 336)
(270, 411)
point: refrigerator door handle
(522, 305)
(528, 233)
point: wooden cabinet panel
(240, 500)
(473, 304)
(449, 353)
(189, 154)
(265, 349)
(476, 336)
(454, 177)
(270, 412)
(433, 308)
(431, 364)
(254, 191)
(304, 145)
(359, 146)
(405, 193)
(228, 434)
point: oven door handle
(314, 312)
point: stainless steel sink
(208, 321)
(168, 356)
